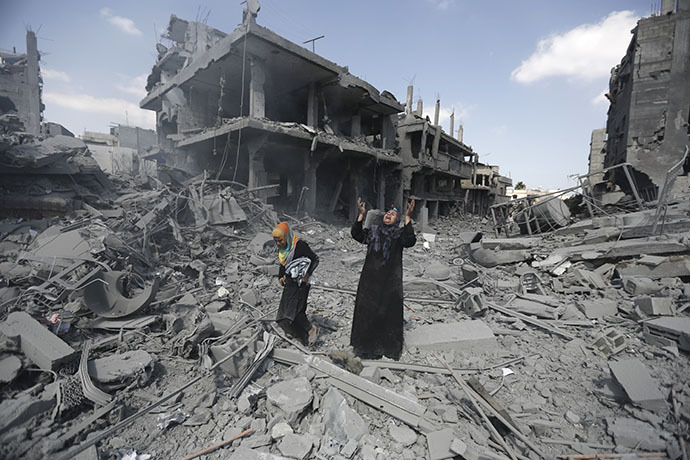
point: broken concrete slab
(291, 397)
(9, 368)
(460, 448)
(120, 368)
(402, 434)
(655, 306)
(638, 384)
(342, 422)
(295, 446)
(42, 347)
(674, 328)
(466, 336)
(27, 405)
(244, 453)
(595, 309)
(439, 443)
(635, 434)
(260, 242)
(668, 267)
(639, 285)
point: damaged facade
(261, 110)
(20, 86)
(440, 171)
(648, 117)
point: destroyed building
(439, 170)
(261, 110)
(258, 109)
(123, 149)
(648, 117)
(20, 85)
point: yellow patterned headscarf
(283, 230)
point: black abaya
(377, 325)
(292, 316)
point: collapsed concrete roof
(226, 57)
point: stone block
(595, 309)
(439, 443)
(635, 434)
(342, 422)
(295, 446)
(655, 306)
(244, 453)
(120, 367)
(9, 368)
(638, 384)
(402, 434)
(466, 336)
(42, 347)
(292, 397)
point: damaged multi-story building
(649, 91)
(20, 85)
(258, 109)
(440, 170)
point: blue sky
(525, 78)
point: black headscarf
(382, 236)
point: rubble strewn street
(139, 286)
(132, 326)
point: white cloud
(600, 99)
(126, 25)
(442, 4)
(587, 51)
(135, 86)
(50, 74)
(121, 110)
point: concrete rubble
(138, 309)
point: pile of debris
(141, 326)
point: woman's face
(280, 241)
(390, 217)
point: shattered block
(467, 336)
(42, 347)
(635, 434)
(598, 308)
(292, 397)
(655, 306)
(638, 384)
(342, 422)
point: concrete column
(257, 172)
(33, 124)
(460, 133)
(381, 195)
(433, 210)
(437, 111)
(312, 107)
(310, 183)
(408, 104)
(420, 108)
(452, 124)
(388, 132)
(356, 129)
(257, 98)
(668, 6)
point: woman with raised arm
(377, 325)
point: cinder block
(467, 336)
(638, 384)
(41, 346)
(655, 306)
(598, 308)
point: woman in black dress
(377, 324)
(297, 263)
